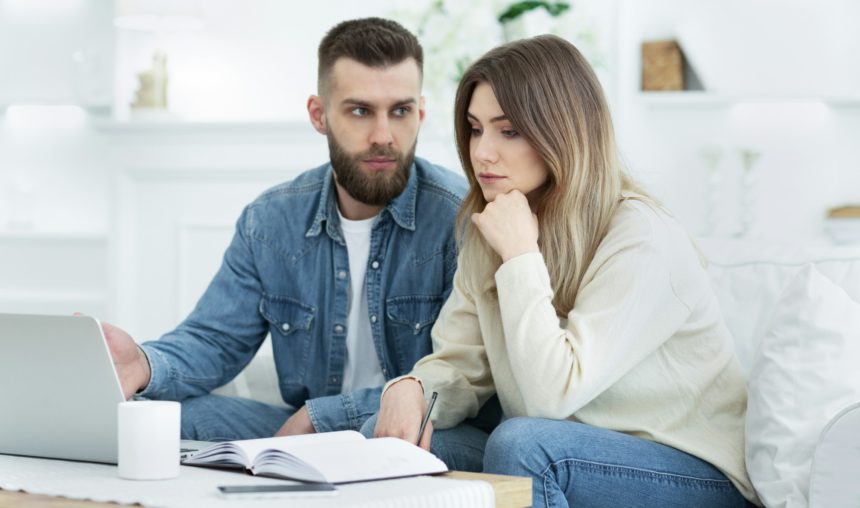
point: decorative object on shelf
(511, 19)
(662, 66)
(712, 155)
(152, 87)
(843, 224)
(748, 190)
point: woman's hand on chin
(509, 225)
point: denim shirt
(286, 273)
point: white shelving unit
(707, 99)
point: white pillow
(805, 372)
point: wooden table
(511, 492)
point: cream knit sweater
(644, 351)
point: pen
(426, 416)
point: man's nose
(381, 134)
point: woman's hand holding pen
(509, 225)
(401, 411)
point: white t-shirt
(362, 369)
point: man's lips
(380, 163)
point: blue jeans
(220, 418)
(573, 464)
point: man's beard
(377, 188)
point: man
(346, 266)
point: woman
(580, 302)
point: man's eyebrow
(366, 104)
(492, 120)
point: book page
(370, 459)
(245, 452)
(253, 447)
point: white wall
(779, 83)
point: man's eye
(401, 112)
(359, 111)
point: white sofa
(799, 454)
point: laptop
(59, 390)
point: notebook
(330, 457)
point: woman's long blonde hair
(552, 97)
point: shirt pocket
(410, 319)
(291, 327)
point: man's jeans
(220, 418)
(573, 464)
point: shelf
(174, 126)
(715, 100)
(42, 235)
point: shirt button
(373, 318)
(338, 329)
(285, 327)
(374, 265)
(341, 275)
(384, 372)
(334, 379)
(417, 326)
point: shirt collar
(401, 208)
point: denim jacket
(286, 273)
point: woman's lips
(490, 177)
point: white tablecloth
(196, 487)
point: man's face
(372, 116)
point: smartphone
(270, 491)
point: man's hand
(508, 225)
(401, 411)
(128, 359)
(299, 423)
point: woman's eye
(510, 133)
(476, 131)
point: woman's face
(503, 161)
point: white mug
(148, 432)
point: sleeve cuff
(401, 378)
(331, 413)
(159, 372)
(526, 271)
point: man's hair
(374, 42)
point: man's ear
(316, 112)
(421, 110)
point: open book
(329, 457)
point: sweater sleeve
(625, 310)
(457, 369)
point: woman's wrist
(519, 251)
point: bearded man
(345, 266)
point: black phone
(285, 490)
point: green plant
(517, 9)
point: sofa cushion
(748, 278)
(805, 372)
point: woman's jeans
(573, 464)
